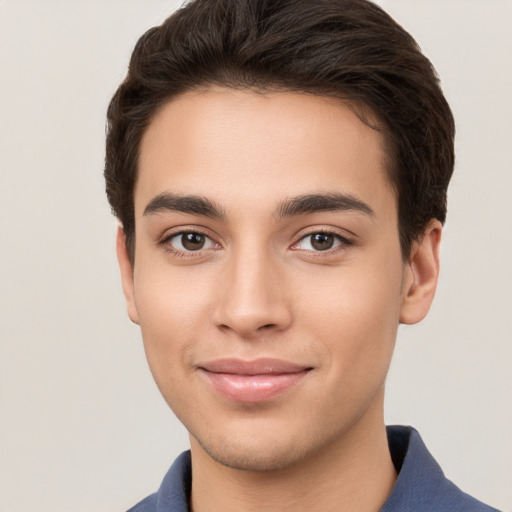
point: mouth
(252, 381)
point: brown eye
(318, 242)
(192, 241)
(322, 241)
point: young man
(279, 170)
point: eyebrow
(300, 205)
(196, 205)
(312, 203)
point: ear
(421, 274)
(126, 268)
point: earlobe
(126, 268)
(421, 275)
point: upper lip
(263, 366)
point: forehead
(253, 149)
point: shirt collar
(421, 484)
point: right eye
(190, 241)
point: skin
(259, 288)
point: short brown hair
(350, 49)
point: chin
(270, 449)
(251, 458)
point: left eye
(188, 242)
(319, 242)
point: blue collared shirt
(421, 485)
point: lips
(252, 381)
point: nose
(251, 299)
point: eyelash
(165, 243)
(344, 243)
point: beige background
(82, 426)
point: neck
(354, 473)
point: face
(268, 280)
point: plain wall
(82, 425)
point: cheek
(355, 315)
(171, 308)
(168, 299)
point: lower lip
(253, 388)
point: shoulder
(174, 491)
(421, 485)
(146, 505)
